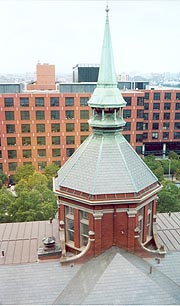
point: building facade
(48, 126)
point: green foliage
(169, 198)
(3, 178)
(173, 155)
(155, 166)
(50, 172)
(33, 201)
(23, 172)
(6, 201)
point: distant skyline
(145, 34)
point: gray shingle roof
(105, 164)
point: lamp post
(169, 160)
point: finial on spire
(107, 11)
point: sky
(145, 34)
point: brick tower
(106, 194)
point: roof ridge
(97, 164)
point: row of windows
(40, 115)
(12, 166)
(157, 96)
(12, 154)
(41, 128)
(154, 135)
(155, 126)
(41, 140)
(39, 101)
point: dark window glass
(25, 115)
(83, 137)
(178, 96)
(177, 116)
(39, 101)
(155, 116)
(140, 101)
(26, 141)
(56, 140)
(69, 127)
(156, 95)
(167, 96)
(166, 116)
(177, 125)
(9, 115)
(84, 114)
(0, 154)
(146, 96)
(69, 114)
(8, 102)
(155, 135)
(57, 163)
(69, 151)
(165, 125)
(177, 106)
(139, 149)
(40, 128)
(41, 153)
(27, 154)
(11, 141)
(70, 140)
(84, 127)
(84, 101)
(128, 100)
(156, 105)
(167, 106)
(177, 135)
(69, 101)
(12, 154)
(140, 113)
(139, 137)
(42, 165)
(24, 102)
(146, 116)
(146, 106)
(54, 101)
(139, 126)
(10, 128)
(145, 126)
(145, 135)
(1, 167)
(56, 152)
(55, 115)
(25, 128)
(40, 115)
(127, 127)
(126, 113)
(12, 166)
(165, 135)
(41, 140)
(155, 126)
(127, 137)
(55, 127)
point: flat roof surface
(168, 227)
(20, 241)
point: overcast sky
(145, 34)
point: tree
(6, 201)
(23, 172)
(50, 172)
(34, 200)
(169, 198)
(173, 155)
(3, 178)
(155, 166)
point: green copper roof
(105, 164)
(107, 94)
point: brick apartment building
(46, 126)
